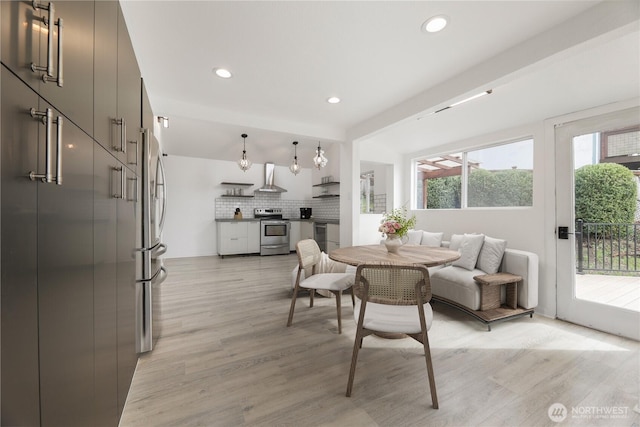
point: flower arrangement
(396, 222)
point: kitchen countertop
(319, 220)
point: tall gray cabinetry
(68, 235)
(117, 118)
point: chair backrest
(309, 254)
(393, 284)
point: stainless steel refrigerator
(153, 272)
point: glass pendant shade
(320, 160)
(244, 163)
(295, 167)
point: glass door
(598, 222)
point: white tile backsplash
(328, 208)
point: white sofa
(481, 254)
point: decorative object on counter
(295, 167)
(244, 163)
(237, 214)
(394, 226)
(320, 160)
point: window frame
(464, 177)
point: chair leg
(293, 304)
(311, 293)
(357, 344)
(339, 308)
(432, 380)
(353, 298)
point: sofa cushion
(456, 241)
(490, 256)
(469, 251)
(431, 239)
(414, 237)
(457, 284)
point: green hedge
(606, 192)
(513, 187)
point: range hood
(269, 186)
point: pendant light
(295, 167)
(320, 160)
(244, 163)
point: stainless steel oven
(274, 232)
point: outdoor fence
(607, 247)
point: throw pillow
(469, 250)
(456, 241)
(414, 237)
(431, 239)
(490, 256)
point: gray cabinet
(126, 284)
(67, 249)
(105, 248)
(47, 271)
(19, 367)
(114, 283)
(26, 35)
(117, 103)
(76, 92)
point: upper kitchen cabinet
(49, 45)
(117, 102)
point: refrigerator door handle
(164, 192)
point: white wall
(531, 228)
(193, 184)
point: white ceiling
(541, 59)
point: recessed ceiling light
(435, 24)
(222, 73)
(333, 100)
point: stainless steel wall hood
(269, 186)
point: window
(497, 176)
(367, 196)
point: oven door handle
(275, 246)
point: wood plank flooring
(226, 358)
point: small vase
(393, 243)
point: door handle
(49, 20)
(123, 135)
(47, 118)
(563, 233)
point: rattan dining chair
(393, 299)
(309, 257)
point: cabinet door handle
(59, 150)
(50, 78)
(123, 135)
(48, 69)
(135, 162)
(49, 21)
(47, 119)
(134, 181)
(114, 194)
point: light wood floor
(226, 358)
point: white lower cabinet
(233, 238)
(333, 237)
(253, 236)
(306, 230)
(294, 235)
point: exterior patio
(618, 291)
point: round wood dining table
(428, 256)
